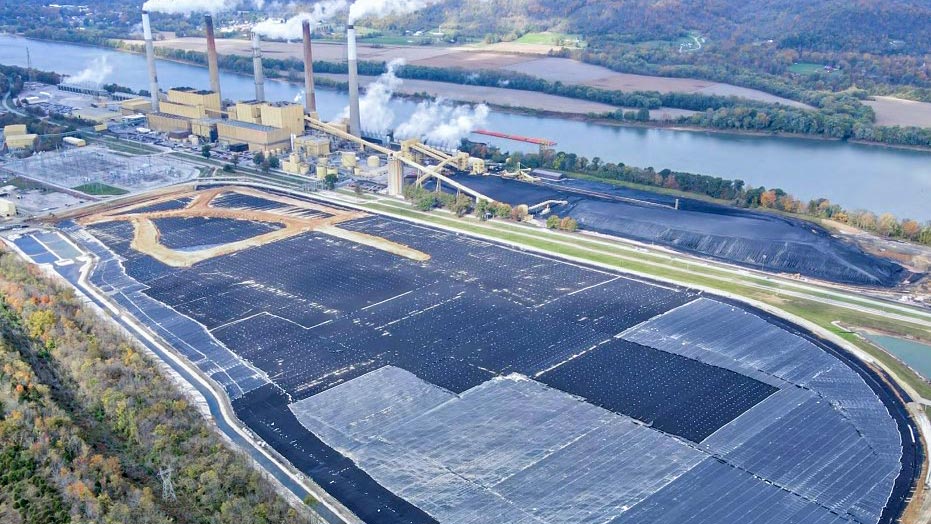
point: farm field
(347, 347)
(521, 57)
(891, 111)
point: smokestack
(257, 68)
(355, 124)
(310, 97)
(212, 57)
(150, 59)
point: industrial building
(17, 137)
(258, 137)
(7, 208)
(281, 128)
(135, 106)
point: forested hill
(875, 26)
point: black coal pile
(748, 238)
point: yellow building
(16, 137)
(206, 128)
(282, 115)
(14, 129)
(312, 146)
(135, 106)
(187, 96)
(7, 208)
(165, 123)
(294, 165)
(257, 136)
(249, 111)
(183, 110)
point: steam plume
(96, 72)
(441, 123)
(374, 107)
(290, 29)
(380, 8)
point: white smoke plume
(374, 108)
(441, 123)
(290, 29)
(186, 7)
(96, 72)
(381, 8)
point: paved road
(10, 107)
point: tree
(205, 151)
(568, 224)
(273, 162)
(768, 198)
(482, 208)
(228, 168)
(552, 222)
(461, 205)
(887, 224)
(911, 229)
(259, 158)
(330, 181)
(503, 210)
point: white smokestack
(375, 106)
(310, 97)
(150, 59)
(212, 59)
(355, 125)
(257, 68)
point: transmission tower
(29, 72)
(168, 488)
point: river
(856, 176)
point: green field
(806, 68)
(548, 38)
(100, 189)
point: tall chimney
(310, 97)
(257, 68)
(212, 57)
(355, 124)
(150, 59)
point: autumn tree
(768, 199)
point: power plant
(310, 97)
(307, 145)
(355, 123)
(212, 59)
(257, 67)
(150, 59)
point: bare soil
(891, 111)
(146, 238)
